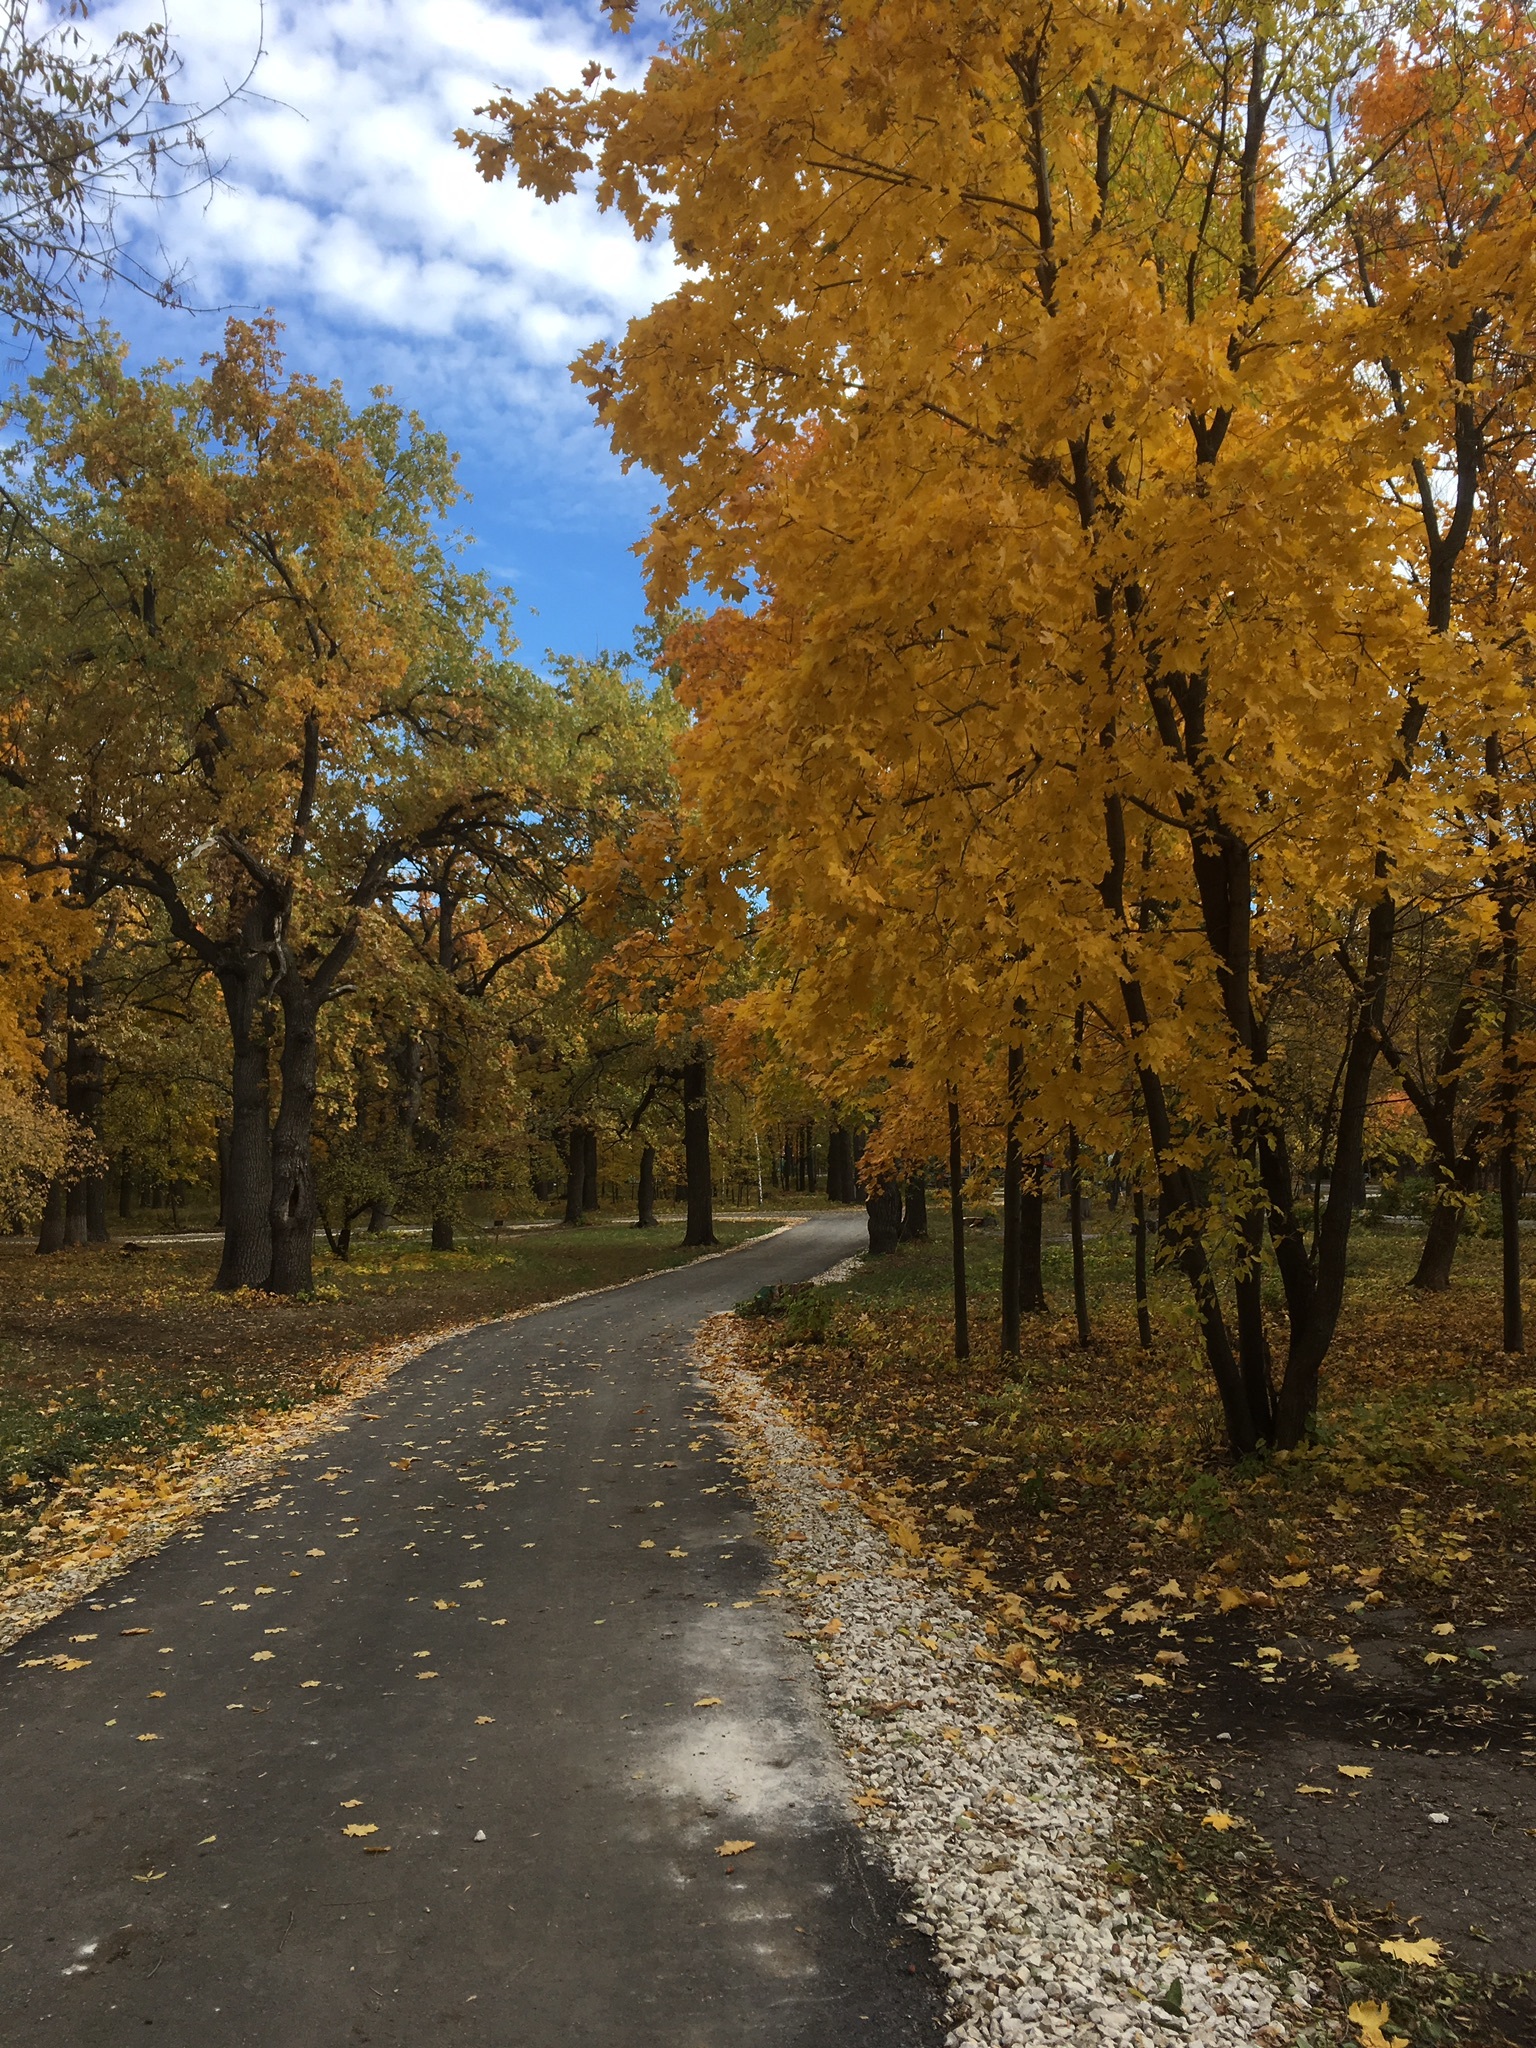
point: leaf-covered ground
(1323, 1660)
(116, 1366)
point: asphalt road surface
(405, 1748)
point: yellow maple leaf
(1221, 1822)
(1371, 2019)
(1425, 1952)
(734, 1848)
(359, 1828)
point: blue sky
(347, 208)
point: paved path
(475, 1625)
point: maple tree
(1102, 460)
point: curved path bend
(471, 1628)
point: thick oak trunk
(291, 1210)
(575, 1177)
(701, 1201)
(247, 1254)
(883, 1208)
(646, 1219)
(1437, 1255)
(914, 1214)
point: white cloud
(347, 206)
(345, 186)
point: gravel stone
(984, 1807)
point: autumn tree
(1097, 649)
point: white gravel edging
(985, 1809)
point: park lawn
(1148, 1592)
(1086, 1466)
(113, 1362)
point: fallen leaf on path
(360, 1828)
(485, 1720)
(146, 1738)
(1354, 1770)
(1425, 1953)
(135, 1631)
(1316, 1791)
(677, 1553)
(1220, 1821)
(470, 1585)
(262, 1656)
(734, 1848)
(648, 1544)
(206, 1840)
(351, 1802)
(709, 1701)
(382, 1849)
(426, 1674)
(148, 1876)
(1347, 1660)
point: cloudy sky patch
(347, 207)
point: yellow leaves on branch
(1078, 423)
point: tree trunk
(1438, 1253)
(50, 1230)
(1310, 1343)
(1075, 1220)
(1509, 1139)
(646, 1219)
(701, 1201)
(291, 1210)
(447, 1107)
(590, 1194)
(841, 1186)
(883, 1208)
(1143, 1306)
(914, 1215)
(125, 1184)
(247, 1254)
(575, 1177)
(1032, 1241)
(957, 1231)
(1013, 1188)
